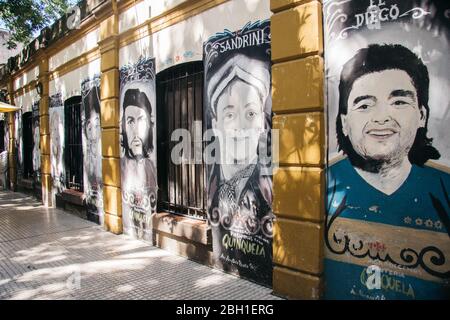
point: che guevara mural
(138, 147)
(387, 230)
(92, 148)
(238, 111)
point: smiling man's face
(383, 115)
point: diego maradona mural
(387, 231)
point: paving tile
(46, 253)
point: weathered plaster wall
(75, 49)
(69, 84)
(187, 37)
(26, 78)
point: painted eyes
(398, 103)
(250, 115)
(401, 103)
(230, 116)
(132, 121)
(362, 107)
(364, 103)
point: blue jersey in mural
(405, 234)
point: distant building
(5, 53)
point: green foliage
(24, 17)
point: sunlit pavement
(51, 254)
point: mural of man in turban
(240, 193)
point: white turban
(252, 71)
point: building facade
(286, 141)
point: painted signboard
(238, 113)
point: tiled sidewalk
(51, 254)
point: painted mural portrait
(137, 138)
(92, 150)
(383, 116)
(56, 130)
(56, 123)
(239, 110)
(36, 151)
(92, 131)
(382, 128)
(137, 141)
(388, 158)
(56, 150)
(239, 95)
(137, 128)
(36, 160)
(137, 125)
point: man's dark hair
(91, 103)
(376, 58)
(134, 97)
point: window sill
(73, 197)
(184, 227)
(26, 183)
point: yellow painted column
(109, 86)
(12, 156)
(46, 178)
(299, 182)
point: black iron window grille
(73, 150)
(27, 147)
(180, 105)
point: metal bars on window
(73, 151)
(180, 106)
(2, 135)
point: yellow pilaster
(299, 182)
(109, 86)
(46, 178)
(12, 156)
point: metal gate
(180, 105)
(73, 151)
